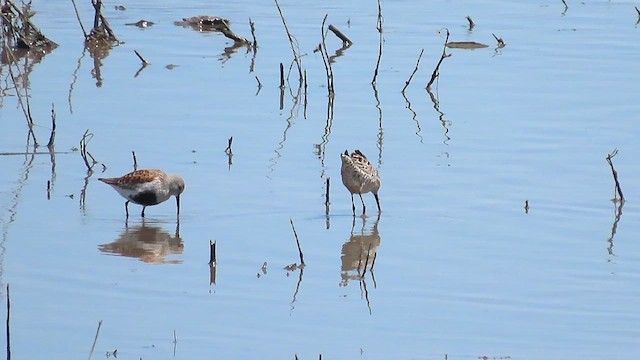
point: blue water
(460, 267)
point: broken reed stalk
(436, 71)
(228, 150)
(565, 5)
(95, 339)
(379, 27)
(259, 83)
(638, 11)
(26, 110)
(8, 319)
(326, 60)
(78, 17)
(52, 137)
(471, 23)
(254, 44)
(326, 198)
(144, 62)
(282, 76)
(135, 161)
(212, 252)
(501, 42)
(346, 42)
(297, 243)
(615, 173)
(406, 84)
(84, 152)
(292, 41)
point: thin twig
(78, 17)
(135, 161)
(326, 199)
(254, 44)
(406, 84)
(8, 320)
(379, 27)
(212, 252)
(471, 23)
(95, 339)
(228, 150)
(282, 86)
(52, 137)
(86, 137)
(345, 40)
(296, 57)
(615, 173)
(501, 42)
(436, 71)
(25, 109)
(326, 60)
(297, 243)
(144, 62)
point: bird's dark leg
(126, 208)
(178, 204)
(364, 208)
(377, 202)
(353, 205)
(143, 208)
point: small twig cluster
(89, 160)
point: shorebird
(147, 187)
(359, 177)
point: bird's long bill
(178, 204)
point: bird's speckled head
(176, 184)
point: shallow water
(459, 267)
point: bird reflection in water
(149, 243)
(359, 256)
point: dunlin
(360, 177)
(147, 187)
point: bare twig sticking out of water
(52, 137)
(254, 44)
(26, 110)
(95, 339)
(304, 111)
(638, 11)
(175, 342)
(615, 174)
(379, 27)
(326, 60)
(135, 161)
(48, 189)
(8, 320)
(346, 42)
(84, 152)
(229, 153)
(282, 86)
(406, 84)
(326, 199)
(614, 227)
(566, 7)
(212, 262)
(526, 206)
(436, 71)
(144, 62)
(212, 252)
(471, 23)
(292, 42)
(78, 17)
(302, 264)
(501, 42)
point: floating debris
(141, 23)
(205, 23)
(465, 45)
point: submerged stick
(436, 71)
(615, 173)
(345, 40)
(406, 84)
(297, 243)
(254, 44)
(78, 17)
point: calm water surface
(459, 267)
